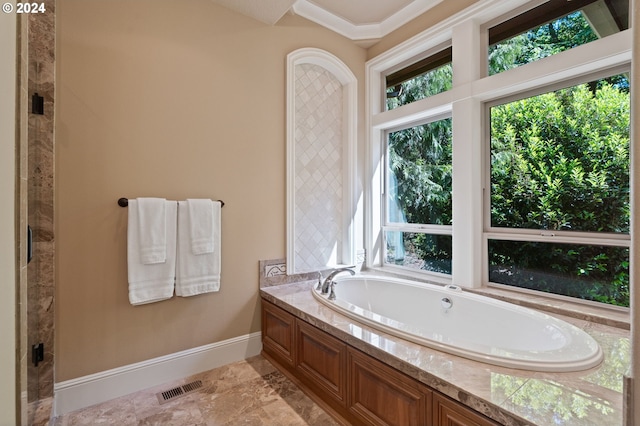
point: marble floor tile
(251, 392)
(119, 411)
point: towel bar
(124, 202)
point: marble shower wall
(40, 195)
(22, 173)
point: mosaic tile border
(274, 272)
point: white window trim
(466, 103)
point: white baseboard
(84, 391)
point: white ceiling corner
(267, 11)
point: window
(519, 180)
(560, 165)
(560, 160)
(417, 250)
(420, 80)
(591, 272)
(418, 177)
(551, 28)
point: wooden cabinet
(351, 385)
(380, 395)
(322, 360)
(278, 328)
(447, 412)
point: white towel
(152, 230)
(151, 282)
(201, 225)
(197, 273)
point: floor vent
(171, 394)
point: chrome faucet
(329, 283)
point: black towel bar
(124, 202)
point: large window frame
(472, 93)
(411, 228)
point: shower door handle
(29, 244)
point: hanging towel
(151, 282)
(197, 273)
(201, 225)
(152, 230)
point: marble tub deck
(250, 392)
(508, 396)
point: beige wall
(8, 309)
(167, 99)
(172, 99)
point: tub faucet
(329, 283)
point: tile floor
(250, 392)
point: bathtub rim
(555, 366)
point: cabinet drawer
(322, 359)
(380, 395)
(278, 327)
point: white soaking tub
(465, 324)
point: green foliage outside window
(560, 161)
(546, 40)
(431, 83)
(420, 172)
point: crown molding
(353, 31)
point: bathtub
(465, 324)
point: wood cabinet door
(356, 387)
(380, 395)
(447, 412)
(322, 360)
(278, 327)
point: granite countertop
(509, 396)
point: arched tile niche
(321, 161)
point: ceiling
(355, 19)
